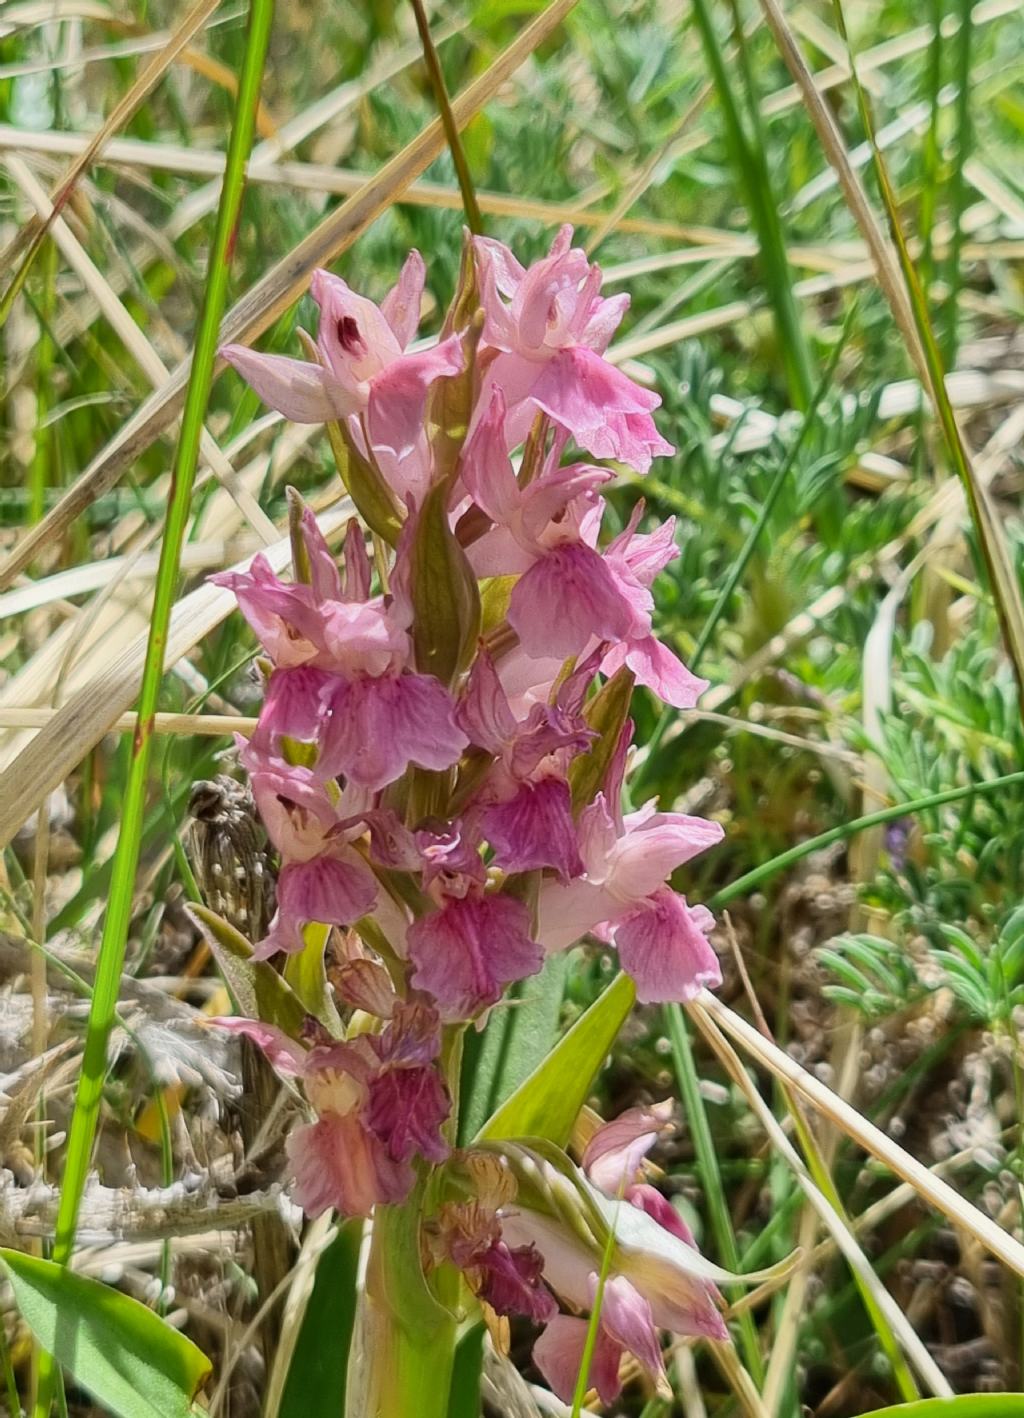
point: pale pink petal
(284, 1055)
(285, 618)
(603, 319)
(483, 710)
(565, 914)
(565, 599)
(401, 306)
(338, 1165)
(660, 1209)
(604, 410)
(535, 829)
(293, 804)
(325, 582)
(627, 1318)
(467, 952)
(613, 1155)
(292, 707)
(654, 845)
(558, 1354)
(598, 836)
(361, 639)
(293, 387)
(648, 553)
(499, 274)
(377, 727)
(487, 472)
(663, 945)
(658, 668)
(394, 415)
(549, 495)
(358, 572)
(631, 438)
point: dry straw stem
(926, 1184)
(124, 617)
(134, 341)
(205, 725)
(835, 1224)
(280, 288)
(79, 725)
(123, 110)
(321, 178)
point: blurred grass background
(856, 662)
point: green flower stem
(85, 1117)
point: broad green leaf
(968, 1405)
(319, 1363)
(464, 1399)
(257, 990)
(548, 1102)
(512, 1045)
(130, 1360)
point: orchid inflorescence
(441, 776)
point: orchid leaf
(257, 990)
(131, 1361)
(548, 1102)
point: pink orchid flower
(550, 328)
(568, 593)
(321, 877)
(380, 1101)
(525, 805)
(657, 1279)
(364, 373)
(343, 678)
(661, 940)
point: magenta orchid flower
(379, 1101)
(661, 940)
(365, 373)
(425, 764)
(525, 803)
(321, 877)
(467, 951)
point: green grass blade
(84, 1119)
(958, 181)
(711, 1177)
(749, 158)
(995, 551)
(451, 129)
